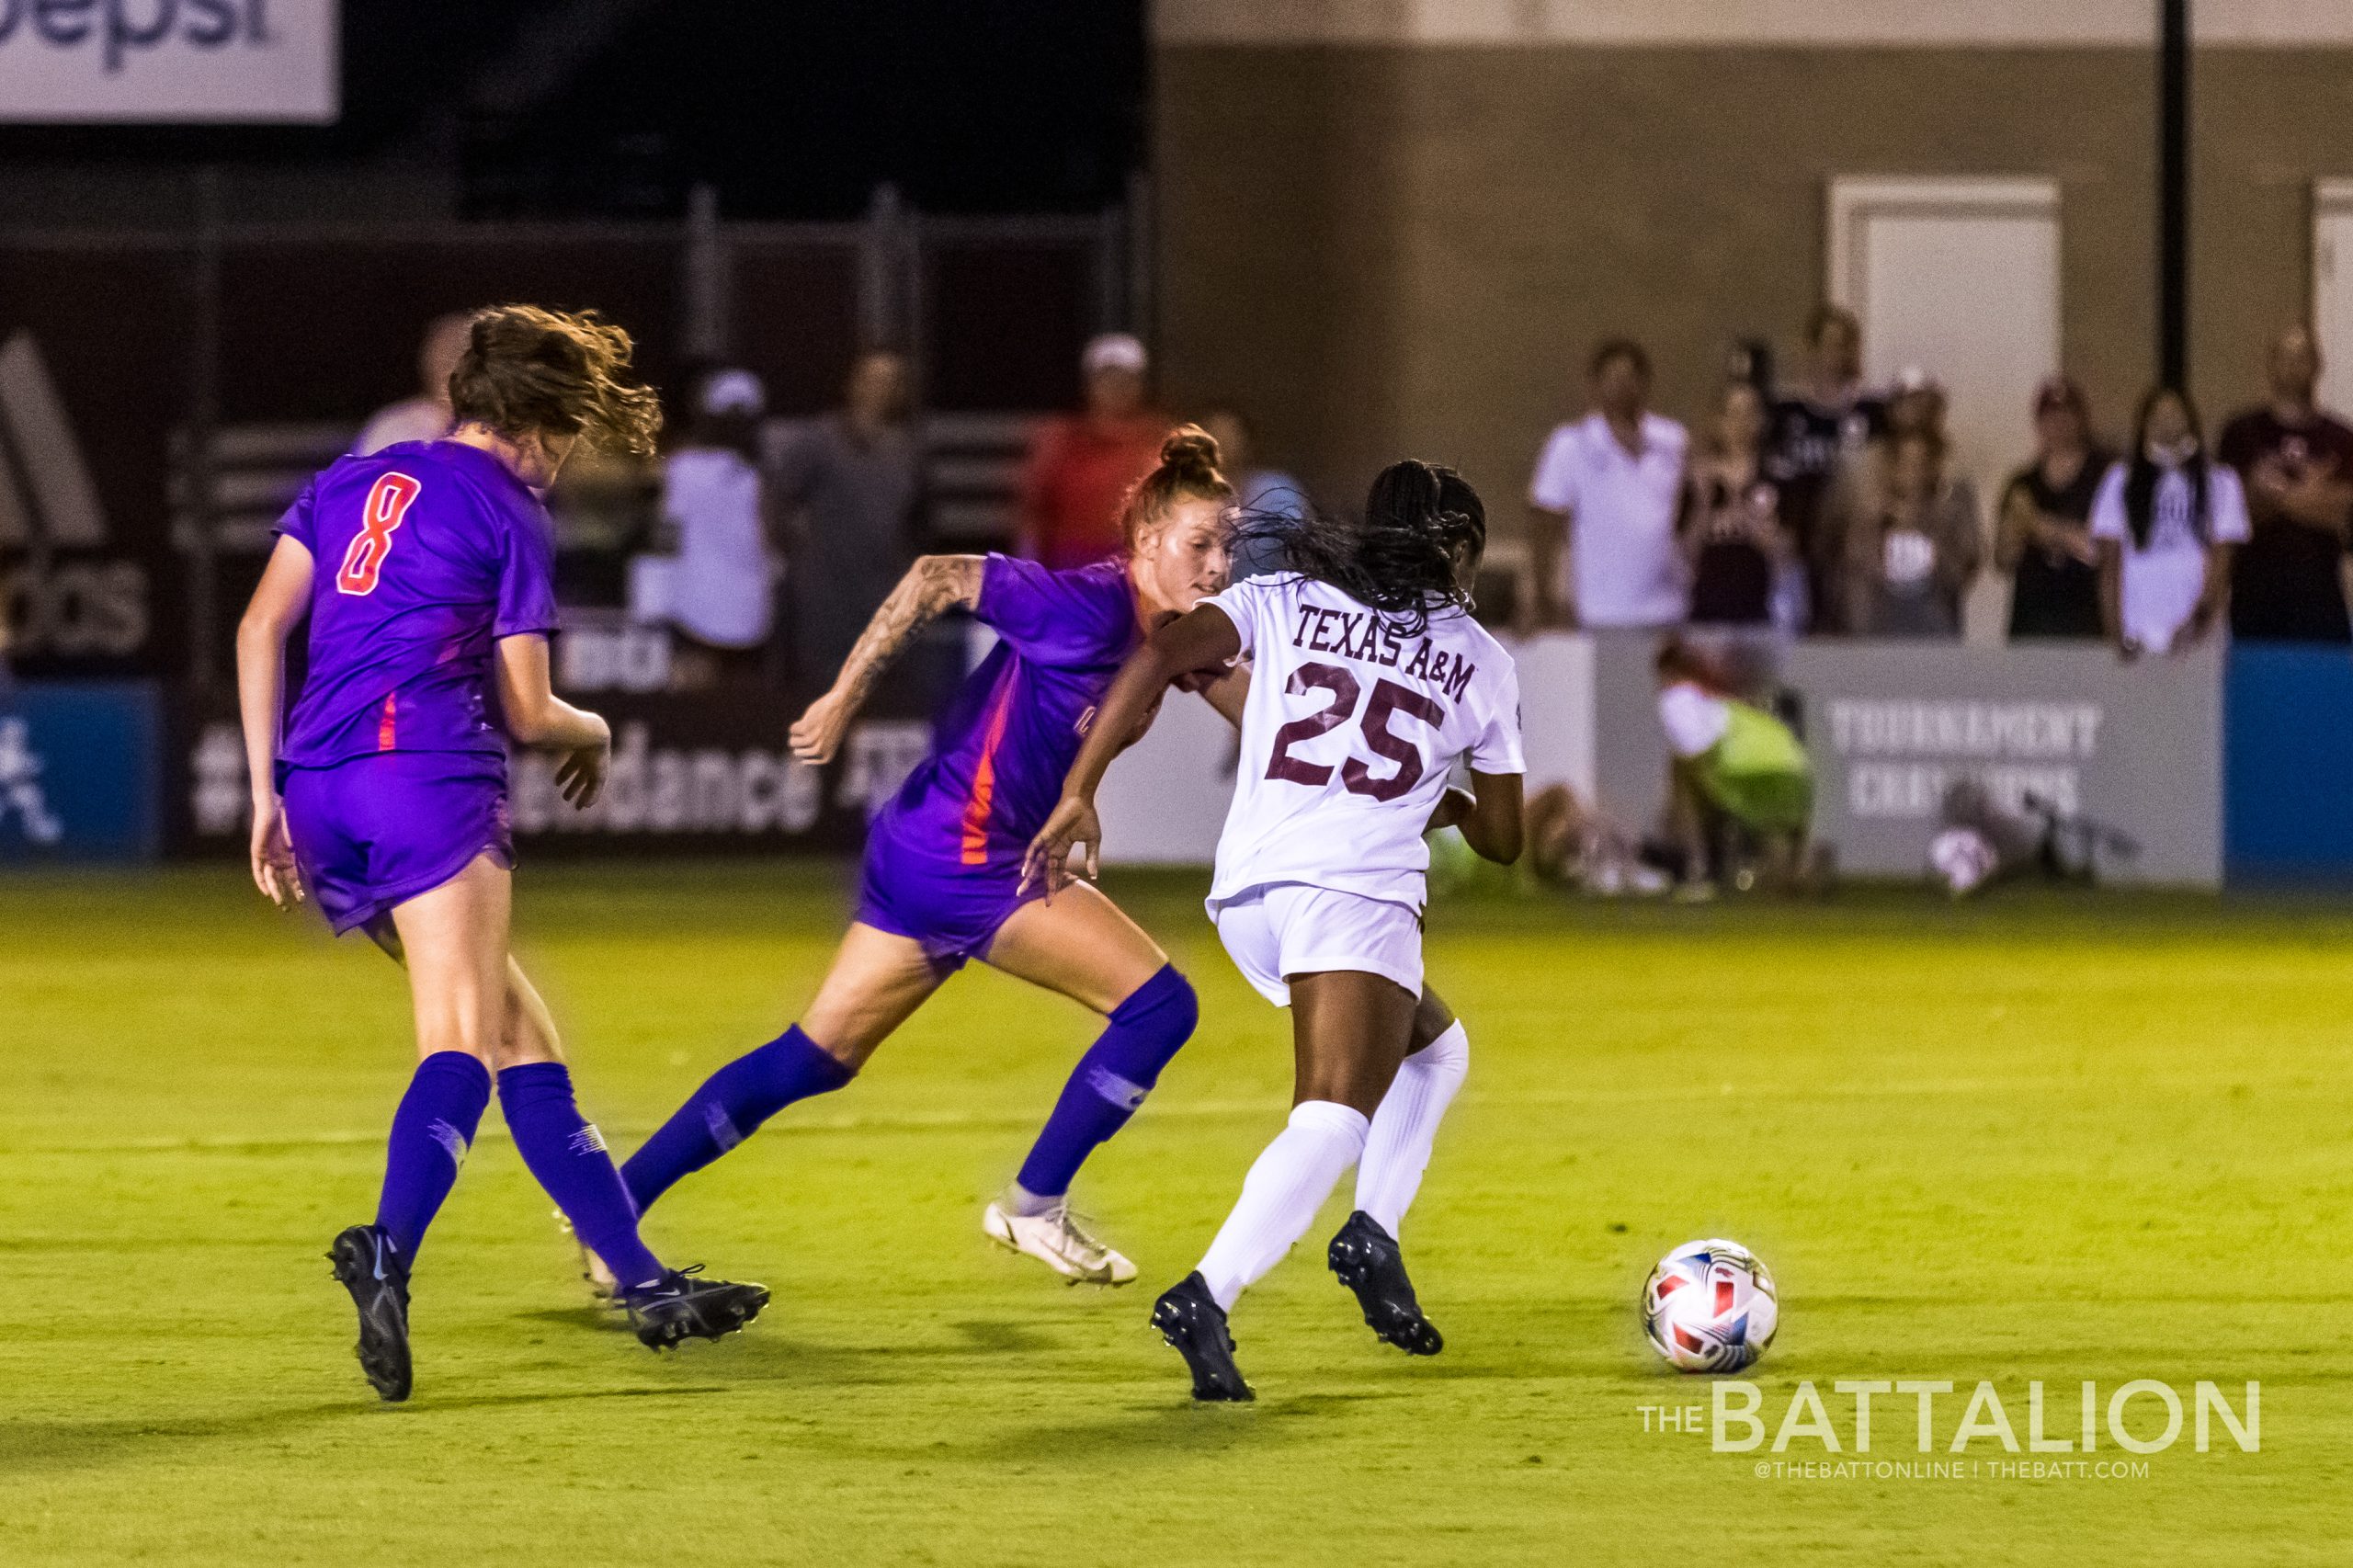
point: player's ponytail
(1187, 471)
(529, 371)
(1416, 552)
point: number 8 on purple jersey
(392, 765)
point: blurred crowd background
(1811, 503)
(1790, 326)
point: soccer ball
(1709, 1307)
(1964, 857)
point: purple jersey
(423, 555)
(1000, 752)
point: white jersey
(1348, 735)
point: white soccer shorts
(1285, 929)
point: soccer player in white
(1370, 681)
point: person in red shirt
(1081, 465)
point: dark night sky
(794, 109)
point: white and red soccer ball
(1709, 1307)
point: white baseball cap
(1114, 351)
(733, 391)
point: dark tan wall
(1394, 250)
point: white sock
(1280, 1196)
(1404, 1125)
(1019, 1200)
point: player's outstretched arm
(933, 585)
(278, 607)
(1202, 639)
(537, 717)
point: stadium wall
(1405, 236)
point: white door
(2332, 288)
(1959, 277)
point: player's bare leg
(876, 981)
(1350, 1031)
(472, 1000)
(1688, 817)
(1080, 945)
(452, 941)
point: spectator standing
(1256, 489)
(714, 497)
(1603, 506)
(1082, 465)
(426, 415)
(2044, 537)
(851, 484)
(1910, 567)
(1815, 433)
(1733, 534)
(1917, 402)
(2168, 520)
(1258, 492)
(1861, 488)
(2296, 463)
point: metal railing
(280, 332)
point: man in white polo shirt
(1604, 503)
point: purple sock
(729, 1107)
(1110, 1081)
(566, 1153)
(431, 1132)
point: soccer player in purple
(942, 878)
(425, 572)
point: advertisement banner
(1890, 726)
(78, 763)
(704, 773)
(214, 61)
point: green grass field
(2040, 1138)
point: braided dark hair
(1423, 532)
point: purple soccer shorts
(371, 833)
(951, 909)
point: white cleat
(1055, 1240)
(602, 1285)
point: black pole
(203, 427)
(2173, 191)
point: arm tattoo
(934, 585)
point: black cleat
(678, 1307)
(1366, 1258)
(368, 1265)
(1189, 1318)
